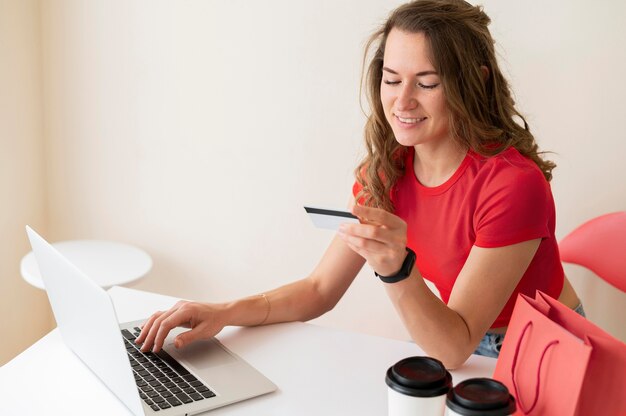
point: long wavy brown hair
(482, 111)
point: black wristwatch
(405, 270)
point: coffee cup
(417, 386)
(480, 397)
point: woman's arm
(447, 332)
(301, 300)
(451, 333)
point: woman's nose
(406, 99)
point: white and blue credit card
(330, 219)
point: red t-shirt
(488, 202)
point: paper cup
(480, 397)
(417, 386)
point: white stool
(107, 263)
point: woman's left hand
(380, 238)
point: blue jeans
(491, 343)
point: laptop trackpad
(202, 355)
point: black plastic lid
(419, 377)
(481, 396)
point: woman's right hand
(205, 321)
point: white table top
(108, 263)
(319, 371)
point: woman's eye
(427, 87)
(391, 82)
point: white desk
(108, 263)
(319, 371)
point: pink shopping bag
(557, 363)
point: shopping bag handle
(514, 366)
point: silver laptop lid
(87, 321)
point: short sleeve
(356, 188)
(514, 205)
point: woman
(452, 189)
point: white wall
(198, 129)
(24, 311)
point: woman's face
(411, 91)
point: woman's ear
(485, 72)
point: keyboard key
(196, 383)
(208, 394)
(153, 395)
(202, 388)
(149, 402)
(155, 407)
(196, 397)
(175, 390)
(164, 405)
(127, 334)
(166, 394)
(158, 399)
(189, 377)
(183, 398)
(189, 390)
(183, 385)
(174, 401)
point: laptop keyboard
(163, 383)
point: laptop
(203, 376)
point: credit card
(330, 219)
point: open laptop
(197, 378)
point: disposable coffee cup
(480, 397)
(417, 386)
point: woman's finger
(181, 317)
(200, 331)
(145, 328)
(377, 216)
(156, 324)
(365, 245)
(372, 232)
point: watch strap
(405, 270)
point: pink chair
(600, 246)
